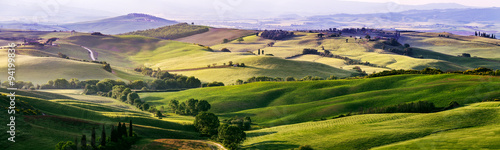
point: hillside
(473, 126)
(454, 44)
(171, 32)
(67, 119)
(39, 70)
(120, 24)
(278, 103)
(215, 36)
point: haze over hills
(114, 25)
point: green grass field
(39, 70)
(67, 119)
(278, 103)
(469, 127)
(455, 45)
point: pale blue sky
(60, 11)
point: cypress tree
(124, 130)
(84, 141)
(130, 129)
(92, 137)
(103, 136)
(119, 130)
(114, 136)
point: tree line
(164, 80)
(120, 139)
(191, 107)
(477, 71)
(276, 34)
(172, 32)
(484, 34)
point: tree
(225, 41)
(240, 39)
(239, 82)
(83, 141)
(65, 145)
(289, 78)
(131, 97)
(174, 105)
(191, 106)
(92, 138)
(305, 147)
(206, 123)
(137, 84)
(225, 50)
(158, 114)
(368, 37)
(107, 67)
(407, 45)
(231, 136)
(103, 136)
(259, 51)
(271, 44)
(130, 131)
(61, 83)
(193, 82)
(202, 105)
(114, 134)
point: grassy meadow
(279, 103)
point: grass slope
(66, 119)
(39, 70)
(215, 36)
(470, 127)
(278, 103)
(455, 45)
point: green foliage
(244, 123)
(418, 107)
(69, 145)
(240, 39)
(308, 147)
(207, 123)
(172, 32)
(107, 67)
(231, 136)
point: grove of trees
(172, 32)
(119, 139)
(230, 136)
(190, 107)
(276, 34)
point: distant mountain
(120, 24)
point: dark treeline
(172, 32)
(484, 34)
(190, 107)
(121, 138)
(279, 79)
(477, 71)
(165, 80)
(276, 34)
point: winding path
(91, 53)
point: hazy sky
(476, 3)
(60, 11)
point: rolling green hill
(278, 103)
(455, 44)
(471, 127)
(39, 70)
(65, 120)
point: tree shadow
(271, 145)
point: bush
(206, 123)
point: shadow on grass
(271, 145)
